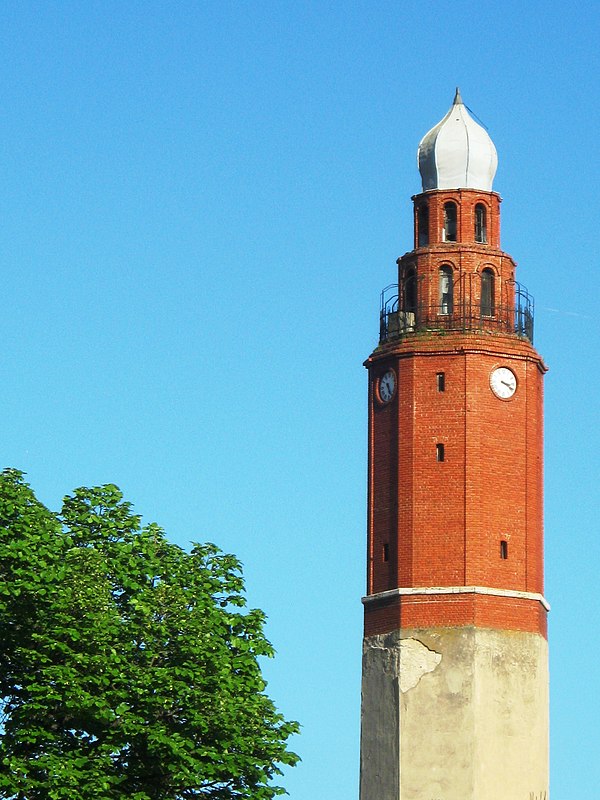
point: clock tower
(455, 657)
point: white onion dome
(457, 153)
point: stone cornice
(439, 590)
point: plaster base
(454, 714)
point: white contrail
(567, 313)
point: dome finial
(457, 153)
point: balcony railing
(396, 322)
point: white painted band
(456, 590)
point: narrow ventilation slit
(386, 552)
(441, 381)
(439, 452)
(503, 549)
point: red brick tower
(455, 680)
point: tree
(128, 666)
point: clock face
(386, 386)
(503, 382)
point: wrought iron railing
(465, 315)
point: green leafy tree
(128, 666)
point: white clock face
(387, 386)
(503, 382)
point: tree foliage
(128, 666)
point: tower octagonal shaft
(455, 662)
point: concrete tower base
(454, 714)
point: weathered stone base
(454, 714)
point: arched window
(446, 290)
(409, 299)
(487, 293)
(423, 225)
(480, 223)
(449, 222)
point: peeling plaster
(416, 660)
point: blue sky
(200, 205)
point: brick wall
(443, 522)
(465, 200)
(465, 257)
(475, 517)
(444, 611)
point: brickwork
(465, 200)
(465, 257)
(457, 610)
(475, 517)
